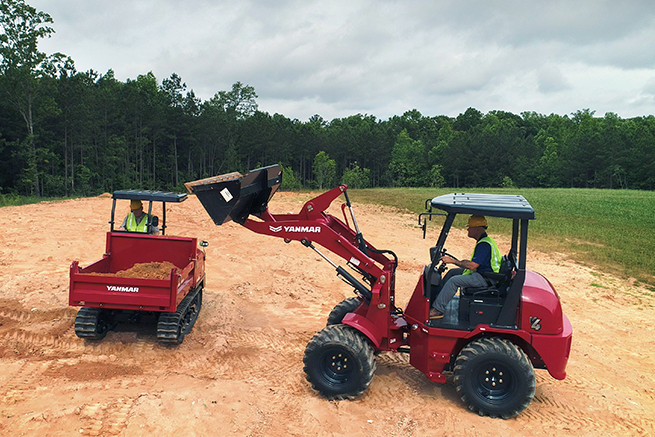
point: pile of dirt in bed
(153, 270)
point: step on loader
(491, 338)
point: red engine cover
(541, 311)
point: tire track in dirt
(277, 341)
(234, 354)
(396, 364)
(20, 386)
(24, 330)
(553, 412)
(116, 344)
(310, 425)
(15, 315)
(286, 396)
(107, 418)
(272, 361)
(252, 354)
(21, 340)
(572, 419)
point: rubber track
(86, 324)
(169, 325)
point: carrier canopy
(234, 196)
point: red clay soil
(240, 371)
(154, 270)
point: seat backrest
(507, 267)
(502, 275)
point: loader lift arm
(238, 197)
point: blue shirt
(482, 256)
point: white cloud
(550, 79)
(378, 57)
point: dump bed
(97, 286)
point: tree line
(65, 132)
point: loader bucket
(234, 196)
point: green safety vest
(132, 226)
(496, 257)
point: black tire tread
(341, 309)
(356, 343)
(494, 345)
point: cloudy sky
(382, 58)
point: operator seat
(497, 283)
(483, 304)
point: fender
(365, 326)
(554, 350)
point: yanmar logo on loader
(298, 229)
(122, 289)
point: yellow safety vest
(133, 226)
(496, 257)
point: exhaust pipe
(234, 196)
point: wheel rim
(495, 382)
(337, 365)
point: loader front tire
(339, 362)
(494, 378)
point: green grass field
(16, 200)
(606, 229)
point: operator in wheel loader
(136, 220)
(486, 257)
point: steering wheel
(443, 266)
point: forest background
(70, 133)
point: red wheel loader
(491, 337)
(107, 298)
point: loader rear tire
(341, 309)
(339, 362)
(494, 378)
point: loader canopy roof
(492, 205)
(147, 195)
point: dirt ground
(239, 372)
